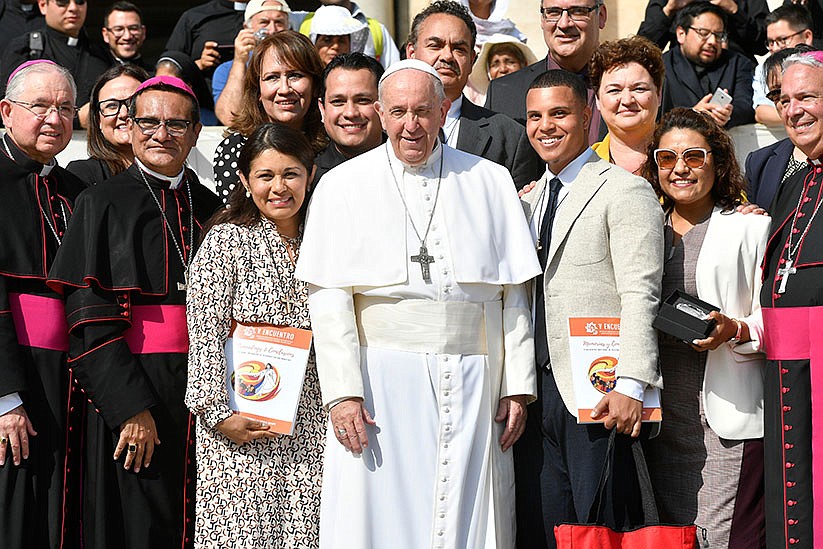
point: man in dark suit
(769, 167)
(571, 29)
(701, 64)
(443, 36)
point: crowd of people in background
(435, 211)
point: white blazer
(728, 275)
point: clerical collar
(72, 41)
(240, 6)
(572, 169)
(27, 7)
(430, 161)
(815, 161)
(24, 161)
(174, 182)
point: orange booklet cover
(594, 345)
(265, 367)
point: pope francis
(416, 255)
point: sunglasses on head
(694, 158)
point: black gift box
(685, 317)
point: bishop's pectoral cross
(424, 259)
(784, 274)
(183, 286)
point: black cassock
(793, 333)
(33, 510)
(122, 277)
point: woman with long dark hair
(254, 487)
(108, 138)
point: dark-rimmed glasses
(576, 13)
(694, 158)
(174, 127)
(721, 36)
(111, 107)
(783, 41)
(41, 111)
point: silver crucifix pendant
(784, 274)
(183, 286)
(424, 259)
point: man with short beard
(702, 64)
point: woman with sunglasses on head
(108, 137)
(707, 464)
(282, 85)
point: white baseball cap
(256, 6)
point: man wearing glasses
(124, 32)
(745, 23)
(786, 27)
(37, 199)
(702, 64)
(124, 272)
(63, 41)
(571, 29)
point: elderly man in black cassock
(36, 199)
(124, 269)
(792, 300)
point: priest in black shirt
(36, 199)
(63, 41)
(201, 29)
(17, 17)
(124, 269)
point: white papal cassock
(432, 359)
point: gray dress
(694, 472)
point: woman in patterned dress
(706, 465)
(255, 489)
(281, 85)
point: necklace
(789, 268)
(423, 258)
(181, 286)
(42, 210)
(291, 244)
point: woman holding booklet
(707, 464)
(255, 487)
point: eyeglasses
(783, 41)
(64, 3)
(773, 95)
(576, 13)
(704, 34)
(111, 107)
(42, 111)
(174, 127)
(120, 31)
(694, 158)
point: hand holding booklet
(594, 345)
(265, 367)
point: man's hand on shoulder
(621, 412)
(15, 430)
(527, 189)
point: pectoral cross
(784, 273)
(183, 286)
(424, 259)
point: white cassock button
(425, 183)
(427, 198)
(437, 242)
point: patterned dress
(265, 493)
(225, 165)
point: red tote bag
(652, 536)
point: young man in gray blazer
(599, 232)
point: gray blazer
(605, 259)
